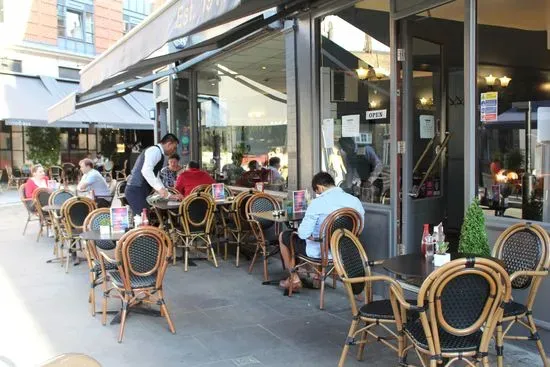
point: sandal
(285, 283)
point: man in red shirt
(191, 178)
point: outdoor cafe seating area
(460, 312)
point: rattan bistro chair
(193, 225)
(96, 264)
(56, 173)
(41, 198)
(353, 266)
(345, 218)
(142, 256)
(121, 174)
(73, 212)
(265, 232)
(58, 197)
(459, 306)
(201, 188)
(525, 250)
(28, 203)
(13, 178)
(238, 229)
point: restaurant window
(514, 150)
(133, 13)
(355, 100)
(243, 115)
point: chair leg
(123, 319)
(185, 258)
(540, 347)
(499, 345)
(361, 348)
(209, 244)
(39, 232)
(266, 273)
(253, 259)
(322, 296)
(166, 314)
(238, 253)
(349, 341)
(26, 224)
(92, 293)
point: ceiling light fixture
(362, 73)
(490, 80)
(504, 81)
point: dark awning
(24, 101)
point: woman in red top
(37, 180)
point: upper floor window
(134, 11)
(11, 65)
(69, 73)
(75, 26)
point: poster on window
(299, 202)
(119, 219)
(328, 133)
(350, 126)
(427, 127)
(218, 192)
(489, 106)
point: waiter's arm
(152, 157)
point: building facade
(56, 39)
(415, 106)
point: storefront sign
(194, 13)
(489, 106)
(376, 115)
(328, 133)
(350, 126)
(427, 126)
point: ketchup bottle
(144, 219)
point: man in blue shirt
(329, 199)
(92, 180)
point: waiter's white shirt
(151, 159)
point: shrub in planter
(473, 236)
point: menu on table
(119, 219)
(299, 202)
(218, 191)
(259, 186)
(52, 184)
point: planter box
(104, 229)
(440, 260)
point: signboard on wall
(350, 126)
(427, 126)
(328, 132)
(489, 106)
(376, 114)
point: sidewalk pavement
(224, 317)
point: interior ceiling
(264, 63)
(521, 14)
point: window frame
(86, 22)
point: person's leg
(285, 239)
(136, 197)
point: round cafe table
(417, 266)
(96, 235)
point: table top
(284, 218)
(416, 265)
(97, 236)
(172, 204)
(51, 207)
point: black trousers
(136, 197)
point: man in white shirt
(92, 179)
(274, 167)
(329, 199)
(144, 176)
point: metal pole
(470, 100)
(527, 176)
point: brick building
(47, 42)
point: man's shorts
(299, 244)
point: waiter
(145, 172)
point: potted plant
(473, 237)
(441, 256)
(104, 226)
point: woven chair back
(238, 210)
(523, 247)
(120, 187)
(197, 213)
(200, 188)
(41, 198)
(27, 203)
(93, 222)
(55, 172)
(344, 218)
(463, 298)
(260, 202)
(75, 211)
(143, 252)
(350, 259)
(59, 197)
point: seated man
(329, 198)
(94, 181)
(233, 171)
(169, 174)
(273, 168)
(191, 178)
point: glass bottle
(144, 219)
(425, 238)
